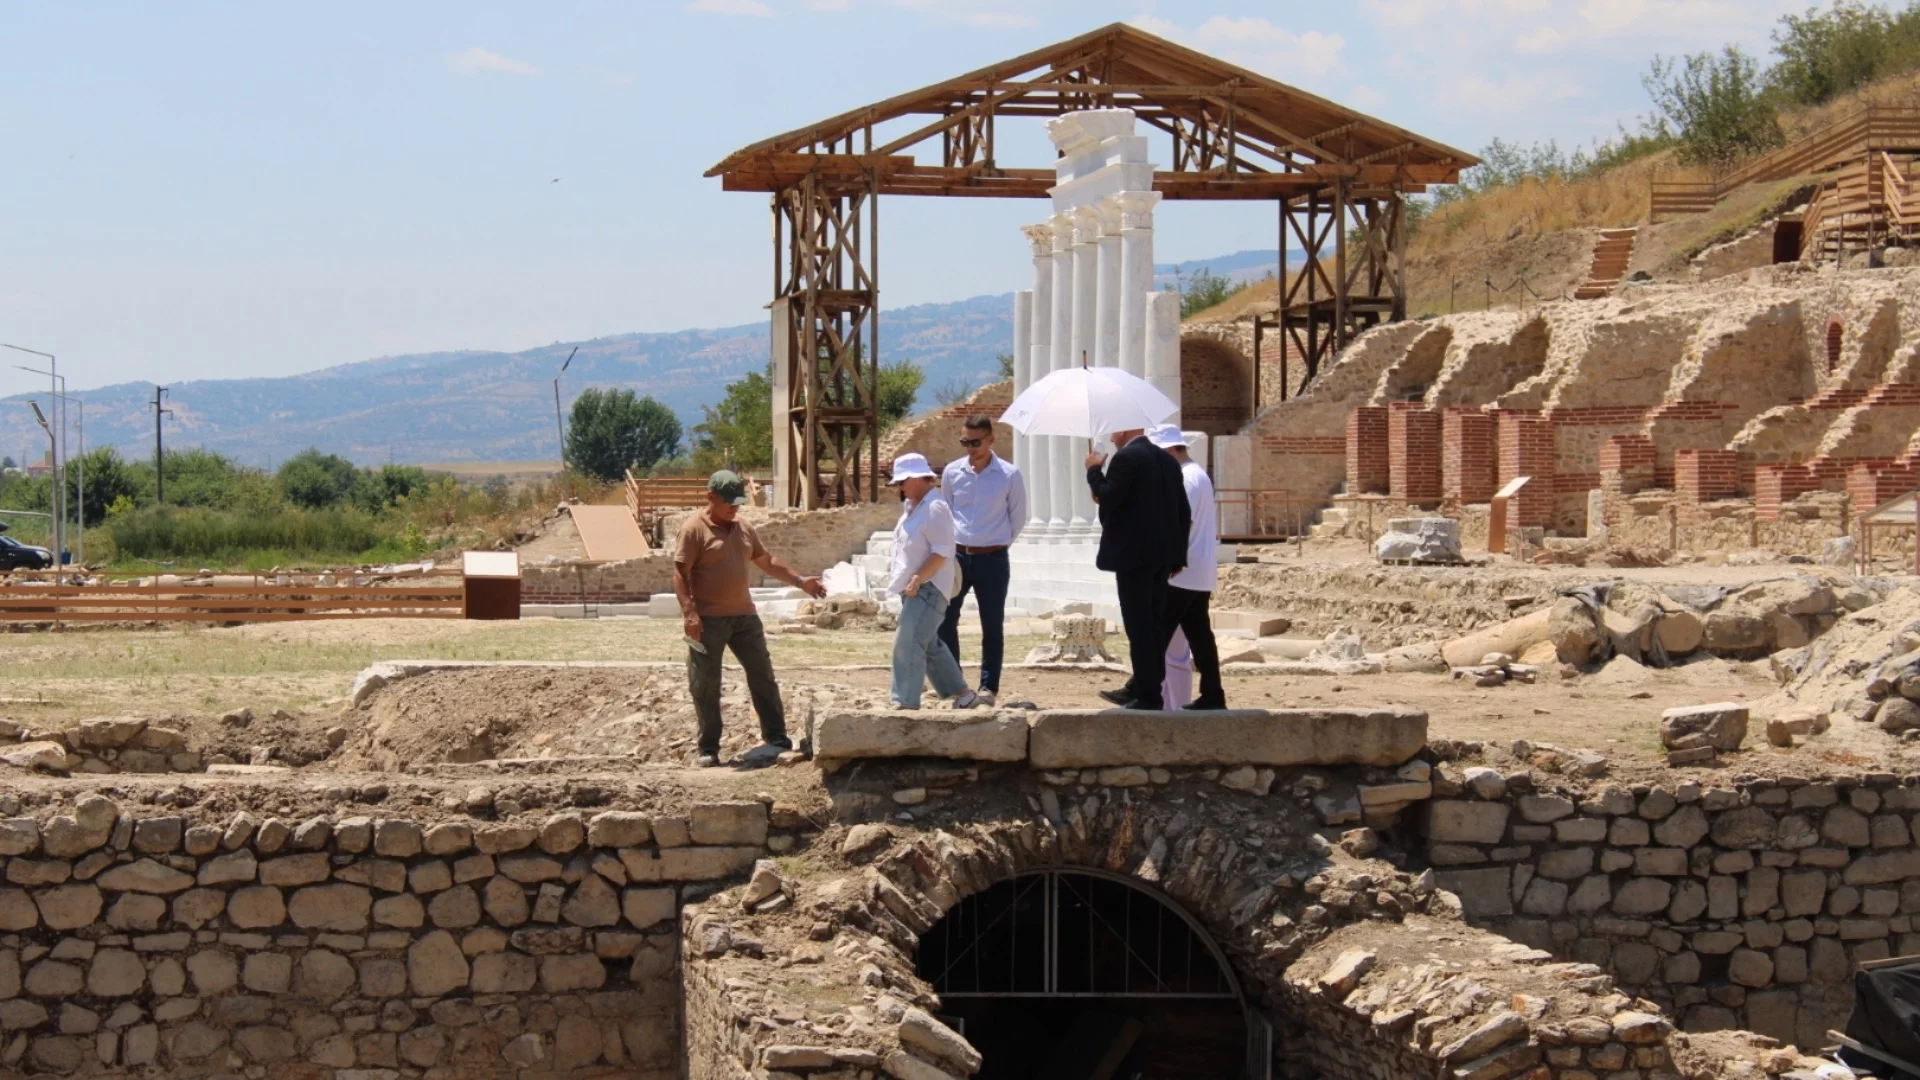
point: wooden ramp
(609, 532)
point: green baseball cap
(727, 484)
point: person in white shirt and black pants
(989, 501)
(1190, 591)
(921, 575)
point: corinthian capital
(1086, 225)
(1062, 226)
(1041, 237)
(1109, 211)
(1136, 208)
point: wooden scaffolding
(1339, 178)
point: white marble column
(1163, 345)
(1034, 467)
(1136, 276)
(1061, 474)
(1022, 366)
(1106, 331)
(1086, 299)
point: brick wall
(1870, 485)
(1703, 475)
(1774, 485)
(1413, 452)
(1526, 449)
(1469, 456)
(1367, 469)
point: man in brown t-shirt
(710, 577)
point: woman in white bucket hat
(922, 577)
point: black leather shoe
(1208, 705)
(1121, 697)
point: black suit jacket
(1143, 510)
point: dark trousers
(1143, 597)
(748, 640)
(1187, 610)
(987, 576)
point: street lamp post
(52, 444)
(56, 458)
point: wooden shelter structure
(1338, 176)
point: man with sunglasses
(989, 501)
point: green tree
(105, 478)
(1716, 104)
(387, 486)
(195, 477)
(899, 386)
(1005, 360)
(1202, 290)
(612, 431)
(740, 426)
(313, 480)
(1824, 54)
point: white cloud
(1512, 95)
(480, 61)
(1540, 39)
(987, 16)
(731, 7)
(1253, 42)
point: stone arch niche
(1216, 385)
(1077, 970)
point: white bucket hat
(908, 466)
(1166, 436)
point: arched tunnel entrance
(1081, 975)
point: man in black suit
(1143, 541)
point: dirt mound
(483, 714)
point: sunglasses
(970, 443)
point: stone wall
(1791, 380)
(1732, 902)
(1364, 969)
(808, 540)
(352, 948)
(937, 434)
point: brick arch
(1216, 385)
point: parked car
(15, 555)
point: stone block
(1721, 725)
(728, 823)
(687, 864)
(1075, 739)
(1482, 893)
(962, 735)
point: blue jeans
(987, 577)
(919, 655)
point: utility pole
(557, 425)
(159, 460)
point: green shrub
(224, 536)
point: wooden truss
(1339, 176)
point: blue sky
(199, 190)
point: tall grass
(228, 537)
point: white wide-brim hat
(1166, 436)
(908, 466)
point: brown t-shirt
(716, 558)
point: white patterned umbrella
(1087, 403)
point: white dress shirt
(1203, 536)
(924, 530)
(989, 506)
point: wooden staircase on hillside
(1610, 258)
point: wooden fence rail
(226, 603)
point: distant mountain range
(493, 406)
